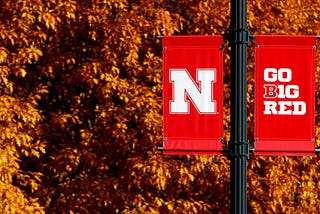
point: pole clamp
(238, 36)
(239, 149)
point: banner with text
(285, 95)
(192, 94)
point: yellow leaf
(96, 81)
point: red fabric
(285, 95)
(192, 132)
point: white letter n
(185, 89)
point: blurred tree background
(81, 111)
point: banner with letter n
(285, 95)
(192, 94)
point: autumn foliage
(81, 110)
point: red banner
(192, 94)
(285, 95)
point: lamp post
(239, 146)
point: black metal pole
(239, 146)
